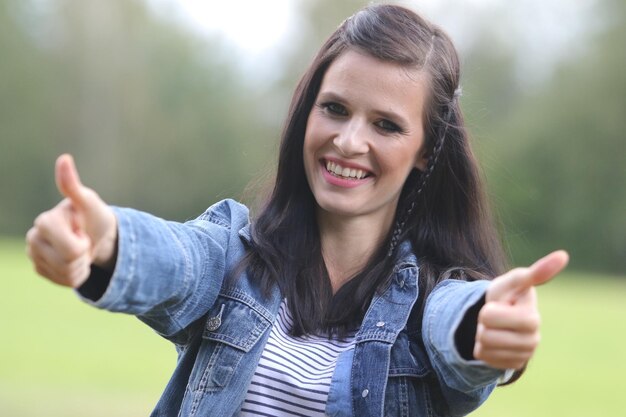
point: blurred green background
(167, 118)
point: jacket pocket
(232, 328)
(407, 393)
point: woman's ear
(421, 161)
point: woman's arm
(166, 273)
(506, 321)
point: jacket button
(380, 324)
(365, 392)
(213, 323)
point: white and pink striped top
(294, 373)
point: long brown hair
(442, 211)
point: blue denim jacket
(172, 276)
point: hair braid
(398, 229)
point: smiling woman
(371, 283)
(367, 119)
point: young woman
(364, 285)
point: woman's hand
(508, 324)
(79, 231)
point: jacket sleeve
(167, 273)
(465, 383)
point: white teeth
(344, 172)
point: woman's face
(364, 135)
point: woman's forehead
(355, 74)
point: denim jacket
(172, 277)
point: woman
(363, 286)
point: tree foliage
(156, 117)
(164, 120)
(557, 156)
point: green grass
(61, 357)
(578, 370)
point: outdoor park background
(168, 118)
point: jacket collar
(406, 256)
(245, 234)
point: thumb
(68, 181)
(514, 284)
(548, 267)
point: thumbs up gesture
(79, 231)
(508, 324)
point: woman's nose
(352, 139)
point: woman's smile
(343, 170)
(344, 174)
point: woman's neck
(348, 243)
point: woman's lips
(343, 175)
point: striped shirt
(294, 373)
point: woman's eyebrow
(393, 116)
(330, 95)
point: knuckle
(479, 339)
(536, 340)
(488, 313)
(70, 254)
(478, 350)
(73, 252)
(30, 242)
(30, 253)
(41, 219)
(485, 312)
(533, 321)
(46, 221)
(30, 235)
(488, 338)
(481, 330)
(481, 315)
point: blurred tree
(560, 180)
(26, 97)
(316, 20)
(157, 118)
(162, 120)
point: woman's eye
(388, 126)
(335, 109)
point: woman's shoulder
(228, 213)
